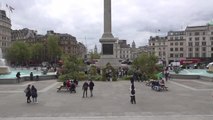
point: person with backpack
(132, 94)
(28, 93)
(34, 94)
(85, 88)
(91, 85)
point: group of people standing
(31, 91)
(85, 87)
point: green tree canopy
(37, 52)
(146, 63)
(19, 52)
(53, 48)
(72, 65)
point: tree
(37, 52)
(146, 63)
(53, 49)
(71, 67)
(19, 52)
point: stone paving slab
(110, 99)
(175, 117)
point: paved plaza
(185, 100)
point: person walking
(91, 85)
(31, 76)
(18, 76)
(28, 93)
(85, 88)
(132, 94)
(34, 94)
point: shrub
(126, 77)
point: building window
(204, 33)
(203, 54)
(204, 43)
(171, 44)
(181, 38)
(190, 34)
(197, 38)
(181, 54)
(190, 55)
(181, 43)
(190, 49)
(171, 49)
(181, 49)
(190, 43)
(176, 43)
(196, 43)
(196, 49)
(190, 39)
(176, 49)
(176, 55)
(159, 53)
(212, 43)
(153, 44)
(211, 48)
(171, 38)
(197, 33)
(211, 38)
(171, 55)
(203, 49)
(196, 54)
(212, 55)
(211, 33)
(204, 38)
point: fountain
(3, 68)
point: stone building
(67, 42)
(195, 42)
(158, 47)
(5, 31)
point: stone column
(107, 20)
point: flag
(11, 9)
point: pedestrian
(28, 93)
(132, 94)
(18, 76)
(31, 76)
(91, 85)
(85, 88)
(34, 94)
(132, 80)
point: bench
(62, 87)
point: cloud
(131, 19)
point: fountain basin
(25, 76)
(201, 74)
(4, 70)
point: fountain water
(3, 68)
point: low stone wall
(199, 77)
(178, 76)
(205, 78)
(26, 78)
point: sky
(132, 20)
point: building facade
(5, 32)
(195, 42)
(67, 42)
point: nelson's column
(107, 40)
